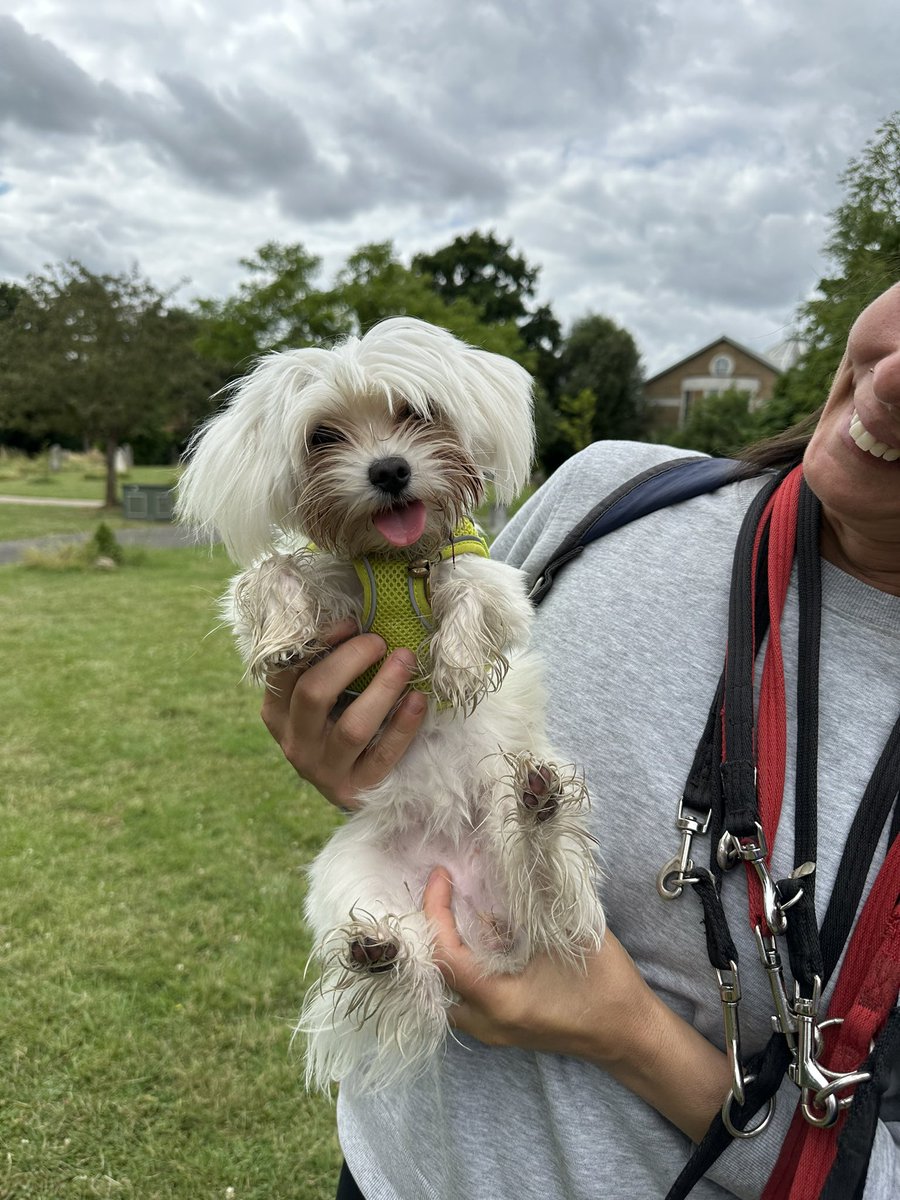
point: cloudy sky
(670, 163)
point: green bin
(147, 502)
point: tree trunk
(112, 483)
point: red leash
(869, 979)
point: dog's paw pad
(541, 791)
(372, 954)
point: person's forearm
(674, 1068)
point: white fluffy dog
(342, 479)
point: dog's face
(379, 446)
(382, 478)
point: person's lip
(869, 443)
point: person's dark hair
(784, 449)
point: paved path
(155, 534)
(51, 500)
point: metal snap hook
(755, 1130)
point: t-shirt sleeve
(529, 540)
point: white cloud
(671, 165)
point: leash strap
(847, 1178)
(781, 525)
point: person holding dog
(569, 1083)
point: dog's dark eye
(324, 436)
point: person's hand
(580, 1009)
(340, 755)
(601, 1011)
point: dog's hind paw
(373, 954)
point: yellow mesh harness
(397, 598)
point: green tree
(486, 271)
(600, 357)
(864, 248)
(719, 424)
(575, 422)
(10, 295)
(374, 284)
(278, 307)
(102, 357)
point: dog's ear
(503, 393)
(239, 480)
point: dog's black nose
(390, 475)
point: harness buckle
(676, 872)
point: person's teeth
(867, 442)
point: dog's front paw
(463, 674)
(274, 615)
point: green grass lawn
(19, 521)
(73, 482)
(151, 946)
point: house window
(722, 366)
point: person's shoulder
(612, 463)
(580, 483)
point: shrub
(104, 545)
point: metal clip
(730, 995)
(727, 851)
(805, 1071)
(783, 1021)
(755, 853)
(837, 1082)
(675, 873)
(746, 1133)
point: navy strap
(658, 487)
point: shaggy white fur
(379, 448)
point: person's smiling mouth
(867, 442)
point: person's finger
(331, 637)
(361, 720)
(280, 684)
(322, 684)
(451, 954)
(384, 754)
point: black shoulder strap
(658, 487)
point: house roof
(760, 358)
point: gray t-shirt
(633, 635)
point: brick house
(717, 367)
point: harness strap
(658, 487)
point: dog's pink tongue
(401, 526)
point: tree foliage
(278, 307)
(487, 272)
(484, 270)
(375, 285)
(105, 358)
(864, 248)
(100, 357)
(719, 424)
(600, 358)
